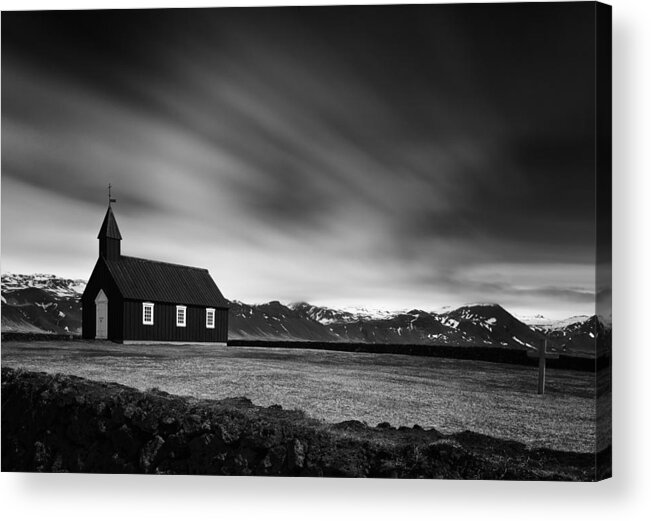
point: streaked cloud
(404, 157)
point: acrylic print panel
(328, 241)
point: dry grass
(449, 395)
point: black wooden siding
(109, 249)
(165, 329)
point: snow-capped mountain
(559, 325)
(327, 316)
(579, 334)
(493, 325)
(543, 322)
(539, 320)
(41, 303)
(275, 321)
(472, 325)
(324, 315)
(587, 336)
(51, 283)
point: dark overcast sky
(394, 157)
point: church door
(101, 316)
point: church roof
(148, 280)
(109, 227)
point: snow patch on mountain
(35, 303)
(545, 323)
(47, 282)
(535, 320)
(562, 324)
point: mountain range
(47, 304)
(41, 303)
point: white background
(626, 496)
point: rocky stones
(149, 451)
(353, 425)
(115, 429)
(296, 452)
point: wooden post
(542, 355)
(542, 363)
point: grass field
(449, 395)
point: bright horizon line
(516, 311)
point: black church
(134, 300)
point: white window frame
(210, 312)
(145, 306)
(181, 323)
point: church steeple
(109, 235)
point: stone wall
(58, 423)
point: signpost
(542, 355)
